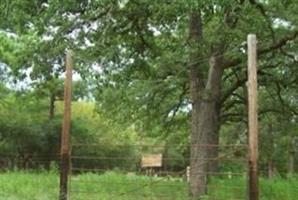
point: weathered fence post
(65, 137)
(252, 117)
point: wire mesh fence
(28, 161)
(124, 173)
(116, 172)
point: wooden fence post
(252, 117)
(65, 137)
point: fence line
(160, 178)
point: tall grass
(28, 186)
(112, 185)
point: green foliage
(27, 131)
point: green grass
(112, 185)
(28, 186)
(115, 186)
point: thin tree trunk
(291, 163)
(52, 106)
(270, 156)
(270, 168)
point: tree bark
(213, 88)
(205, 112)
(205, 131)
(197, 169)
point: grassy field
(111, 185)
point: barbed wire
(84, 145)
(165, 178)
(160, 181)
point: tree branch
(230, 91)
(283, 41)
(175, 108)
(261, 8)
(282, 101)
(277, 45)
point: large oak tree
(154, 61)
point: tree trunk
(52, 106)
(205, 132)
(291, 161)
(270, 154)
(292, 153)
(197, 175)
(205, 113)
(213, 88)
(270, 168)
